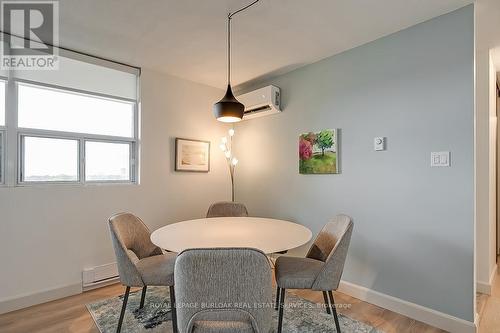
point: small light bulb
(234, 161)
(231, 132)
(228, 154)
(224, 139)
(222, 147)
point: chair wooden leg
(334, 310)
(327, 303)
(143, 296)
(281, 308)
(278, 290)
(173, 309)
(124, 306)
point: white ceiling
(187, 38)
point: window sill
(67, 184)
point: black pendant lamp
(228, 109)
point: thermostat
(379, 143)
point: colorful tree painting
(318, 152)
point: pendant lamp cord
(229, 17)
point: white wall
(487, 34)
(498, 183)
(413, 234)
(49, 234)
(492, 107)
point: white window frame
(3, 158)
(80, 137)
(3, 141)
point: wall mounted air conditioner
(261, 102)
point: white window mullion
(11, 139)
(81, 160)
(132, 162)
(19, 159)
(137, 123)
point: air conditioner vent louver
(258, 109)
(261, 102)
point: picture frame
(192, 155)
(319, 152)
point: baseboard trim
(100, 284)
(485, 287)
(429, 316)
(477, 319)
(24, 301)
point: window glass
(58, 110)
(107, 161)
(49, 160)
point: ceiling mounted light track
(228, 109)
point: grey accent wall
(414, 225)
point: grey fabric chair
(222, 290)
(320, 270)
(227, 209)
(140, 262)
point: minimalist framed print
(192, 155)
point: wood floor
(70, 314)
(488, 308)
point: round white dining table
(267, 235)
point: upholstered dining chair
(229, 290)
(140, 262)
(320, 270)
(227, 209)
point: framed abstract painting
(318, 152)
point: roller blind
(83, 72)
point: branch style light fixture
(229, 109)
(226, 146)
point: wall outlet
(379, 143)
(440, 159)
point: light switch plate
(440, 159)
(379, 143)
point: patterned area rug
(300, 316)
